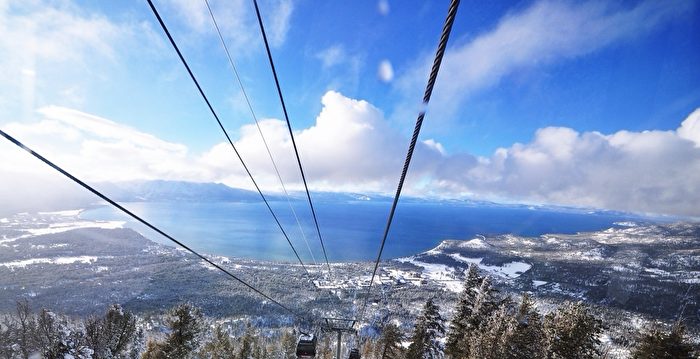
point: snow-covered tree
(289, 345)
(658, 344)
(186, 323)
(219, 346)
(524, 336)
(389, 344)
(246, 345)
(51, 335)
(572, 332)
(26, 330)
(459, 325)
(489, 342)
(429, 329)
(112, 335)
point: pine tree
(8, 334)
(289, 345)
(51, 335)
(246, 351)
(111, 335)
(429, 329)
(524, 335)
(572, 332)
(138, 346)
(657, 344)
(26, 329)
(458, 326)
(367, 349)
(389, 345)
(489, 342)
(220, 346)
(186, 323)
(154, 350)
(325, 348)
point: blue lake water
(351, 230)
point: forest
(485, 323)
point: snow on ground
(56, 260)
(475, 243)
(67, 226)
(440, 273)
(538, 283)
(70, 213)
(508, 270)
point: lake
(351, 230)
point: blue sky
(537, 101)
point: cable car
(306, 346)
(354, 354)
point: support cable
(257, 124)
(447, 28)
(201, 92)
(146, 223)
(291, 133)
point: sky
(578, 103)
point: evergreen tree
(138, 346)
(289, 345)
(657, 344)
(572, 332)
(465, 306)
(429, 329)
(154, 350)
(51, 335)
(325, 349)
(112, 335)
(367, 349)
(8, 333)
(246, 351)
(26, 330)
(220, 346)
(524, 335)
(490, 341)
(389, 345)
(186, 324)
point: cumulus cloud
(649, 171)
(352, 147)
(545, 32)
(690, 128)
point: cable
(291, 133)
(201, 92)
(447, 28)
(143, 221)
(255, 118)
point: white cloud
(545, 32)
(649, 171)
(55, 51)
(237, 21)
(690, 128)
(385, 71)
(279, 21)
(351, 147)
(332, 56)
(383, 7)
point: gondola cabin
(306, 346)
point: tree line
(486, 324)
